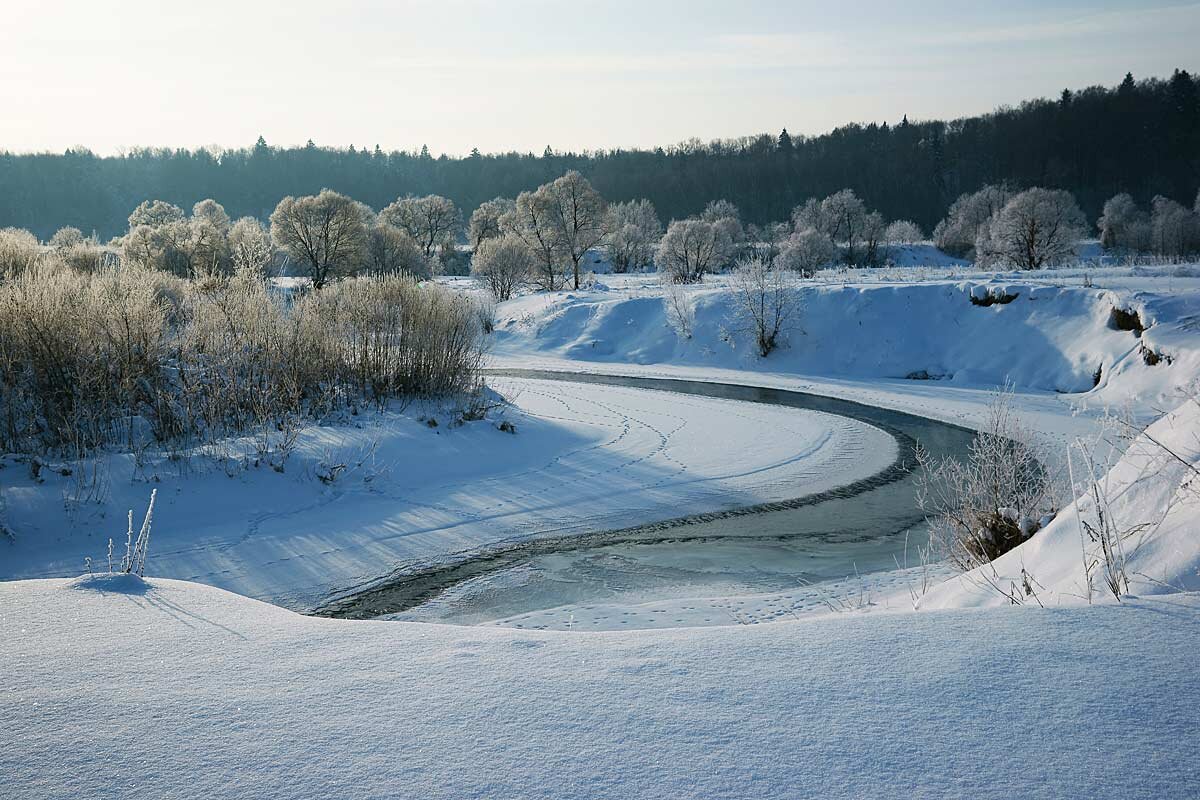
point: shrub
(19, 251)
(83, 357)
(997, 497)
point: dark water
(863, 527)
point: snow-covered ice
(584, 458)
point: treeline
(1140, 137)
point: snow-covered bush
(690, 249)
(502, 264)
(250, 246)
(765, 303)
(680, 310)
(19, 251)
(997, 497)
(903, 231)
(804, 252)
(1175, 229)
(1124, 226)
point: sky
(524, 74)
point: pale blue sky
(527, 73)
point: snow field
(165, 689)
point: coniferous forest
(1141, 136)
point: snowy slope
(176, 690)
(1151, 497)
(1045, 338)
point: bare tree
(690, 248)
(634, 231)
(765, 303)
(502, 264)
(1034, 229)
(578, 217)
(325, 233)
(485, 220)
(844, 216)
(532, 222)
(391, 250)
(431, 221)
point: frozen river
(646, 576)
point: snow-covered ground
(118, 688)
(177, 690)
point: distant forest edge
(1141, 137)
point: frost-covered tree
(1175, 229)
(725, 217)
(531, 221)
(764, 302)
(903, 231)
(958, 233)
(841, 216)
(1035, 229)
(325, 233)
(690, 248)
(155, 213)
(391, 250)
(844, 216)
(1124, 226)
(634, 231)
(807, 251)
(485, 220)
(431, 221)
(207, 237)
(66, 238)
(578, 216)
(250, 247)
(502, 264)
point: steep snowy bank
(179, 690)
(962, 333)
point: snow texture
(186, 691)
